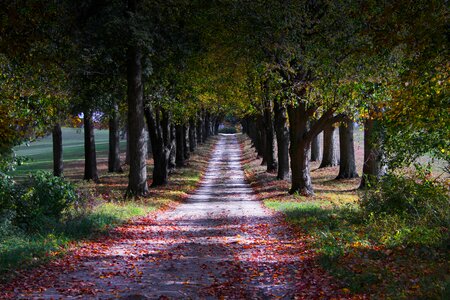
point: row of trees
(289, 69)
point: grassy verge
(383, 256)
(102, 209)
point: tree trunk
(373, 167)
(173, 149)
(90, 157)
(58, 166)
(216, 126)
(137, 183)
(330, 156)
(192, 136)
(186, 142)
(282, 133)
(179, 140)
(207, 127)
(347, 167)
(159, 135)
(270, 137)
(127, 153)
(261, 139)
(299, 151)
(114, 141)
(315, 148)
(200, 137)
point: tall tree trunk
(173, 149)
(114, 141)
(330, 156)
(90, 157)
(58, 166)
(299, 151)
(158, 128)
(192, 136)
(179, 140)
(347, 167)
(216, 126)
(200, 137)
(282, 133)
(137, 183)
(373, 167)
(186, 142)
(207, 126)
(270, 137)
(127, 153)
(315, 148)
(261, 138)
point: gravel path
(220, 244)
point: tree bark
(216, 126)
(158, 128)
(373, 167)
(58, 166)
(330, 156)
(179, 140)
(173, 148)
(299, 151)
(315, 148)
(282, 133)
(137, 183)
(186, 142)
(207, 127)
(347, 167)
(192, 136)
(200, 137)
(90, 157)
(114, 141)
(270, 137)
(261, 138)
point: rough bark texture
(282, 133)
(114, 141)
(261, 139)
(173, 148)
(207, 127)
(330, 156)
(58, 166)
(315, 148)
(269, 137)
(90, 157)
(179, 140)
(347, 167)
(127, 153)
(192, 136)
(186, 142)
(158, 128)
(373, 167)
(200, 137)
(299, 150)
(137, 180)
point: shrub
(8, 193)
(44, 200)
(416, 198)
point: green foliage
(8, 194)
(44, 198)
(228, 130)
(419, 199)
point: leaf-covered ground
(369, 257)
(221, 243)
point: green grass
(366, 252)
(19, 249)
(40, 151)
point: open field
(40, 151)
